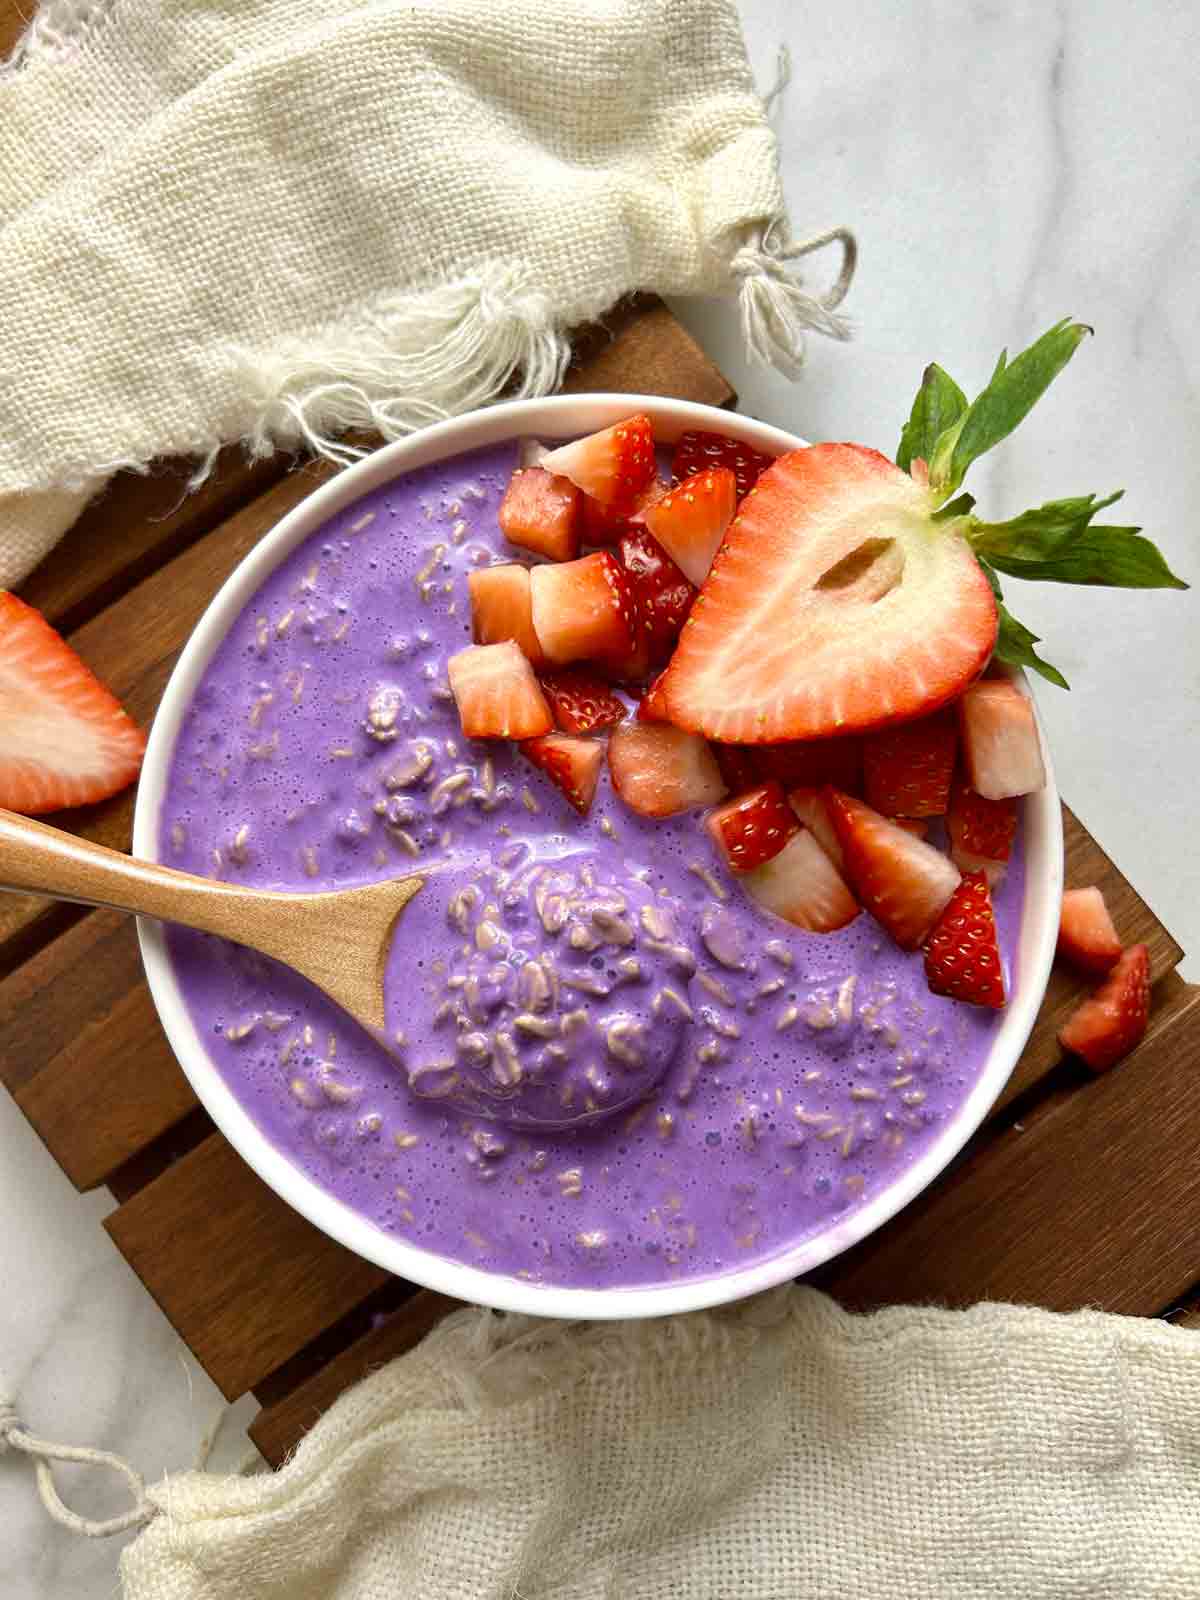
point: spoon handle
(44, 860)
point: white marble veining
(1004, 164)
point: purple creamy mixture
(612, 1069)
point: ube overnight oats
(612, 1064)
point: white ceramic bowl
(561, 417)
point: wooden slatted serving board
(1077, 1190)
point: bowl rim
(557, 416)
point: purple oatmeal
(611, 1068)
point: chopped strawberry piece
(835, 605)
(809, 806)
(583, 610)
(737, 765)
(497, 694)
(812, 763)
(501, 608)
(902, 881)
(1000, 740)
(1112, 1021)
(1086, 935)
(962, 957)
(697, 451)
(753, 827)
(540, 512)
(659, 770)
(981, 831)
(917, 826)
(803, 886)
(662, 595)
(613, 466)
(907, 769)
(651, 707)
(64, 739)
(573, 764)
(581, 703)
(604, 527)
(690, 521)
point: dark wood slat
(1093, 1199)
(642, 349)
(14, 15)
(279, 1428)
(243, 1278)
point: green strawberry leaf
(1012, 392)
(938, 406)
(1014, 641)
(1058, 542)
(954, 508)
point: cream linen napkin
(276, 220)
(780, 1450)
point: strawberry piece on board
(64, 738)
(907, 769)
(803, 886)
(613, 466)
(1108, 1024)
(659, 770)
(753, 827)
(571, 763)
(903, 882)
(584, 610)
(1001, 748)
(501, 608)
(1086, 935)
(690, 521)
(962, 955)
(581, 702)
(697, 451)
(540, 512)
(497, 695)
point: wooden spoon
(337, 939)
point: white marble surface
(1003, 164)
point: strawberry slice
(809, 806)
(812, 763)
(1086, 935)
(1108, 1024)
(581, 703)
(962, 957)
(659, 770)
(981, 831)
(540, 512)
(662, 595)
(64, 739)
(1000, 740)
(835, 605)
(907, 769)
(697, 451)
(497, 695)
(902, 881)
(803, 886)
(612, 466)
(737, 764)
(604, 527)
(584, 610)
(573, 764)
(753, 827)
(501, 608)
(690, 521)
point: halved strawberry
(662, 595)
(1086, 935)
(659, 770)
(907, 769)
(737, 765)
(64, 739)
(573, 764)
(811, 763)
(1000, 740)
(583, 610)
(690, 521)
(753, 827)
(835, 605)
(809, 806)
(540, 512)
(501, 608)
(612, 465)
(497, 694)
(581, 702)
(981, 831)
(1108, 1024)
(604, 527)
(902, 881)
(696, 451)
(803, 886)
(962, 956)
